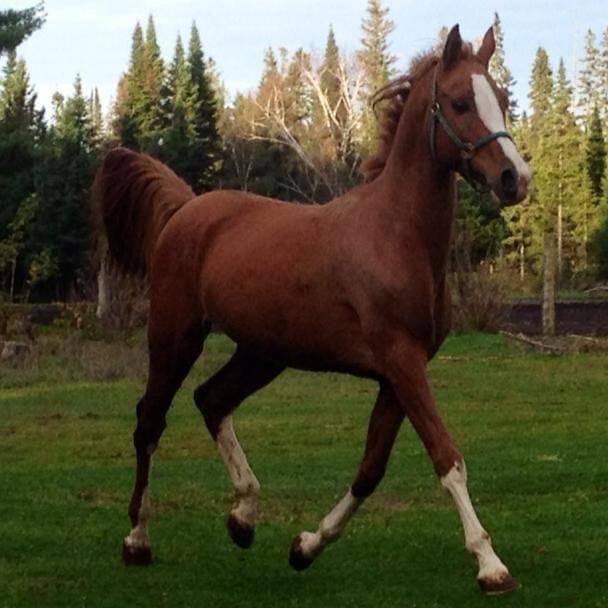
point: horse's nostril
(508, 179)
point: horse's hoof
(136, 556)
(497, 586)
(297, 559)
(242, 534)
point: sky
(93, 38)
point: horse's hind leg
(173, 351)
(217, 398)
(384, 425)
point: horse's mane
(396, 92)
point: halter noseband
(467, 148)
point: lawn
(533, 429)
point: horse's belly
(302, 332)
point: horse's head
(467, 121)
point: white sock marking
(246, 486)
(477, 540)
(331, 527)
(490, 114)
(138, 537)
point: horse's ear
(486, 50)
(452, 48)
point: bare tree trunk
(13, 270)
(560, 239)
(522, 261)
(103, 291)
(549, 284)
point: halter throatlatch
(467, 148)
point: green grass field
(533, 429)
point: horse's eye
(461, 105)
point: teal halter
(467, 148)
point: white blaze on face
(488, 110)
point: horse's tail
(134, 196)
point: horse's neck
(418, 196)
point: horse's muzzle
(510, 187)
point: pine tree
(131, 99)
(588, 79)
(375, 57)
(271, 81)
(499, 70)
(16, 26)
(19, 132)
(297, 97)
(96, 114)
(595, 156)
(560, 180)
(207, 139)
(603, 78)
(61, 235)
(377, 65)
(541, 90)
(154, 77)
(183, 101)
(330, 79)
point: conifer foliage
(299, 135)
(170, 112)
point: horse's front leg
(405, 364)
(384, 425)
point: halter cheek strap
(467, 148)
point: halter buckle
(468, 150)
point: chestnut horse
(357, 286)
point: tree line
(299, 136)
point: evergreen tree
(560, 180)
(521, 219)
(297, 97)
(96, 114)
(154, 77)
(271, 81)
(375, 57)
(499, 70)
(595, 156)
(131, 100)
(603, 77)
(377, 65)
(541, 90)
(16, 26)
(207, 139)
(588, 79)
(20, 128)
(60, 237)
(330, 79)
